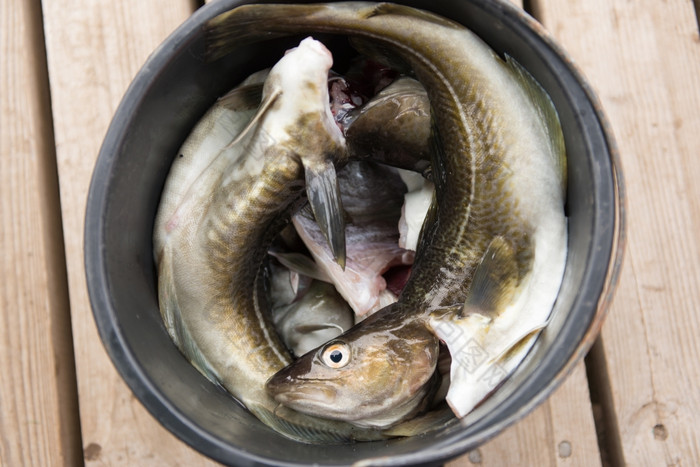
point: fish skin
(211, 238)
(496, 165)
(372, 197)
(395, 364)
(393, 127)
(318, 316)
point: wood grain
(38, 402)
(560, 432)
(117, 430)
(644, 61)
(94, 50)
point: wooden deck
(64, 68)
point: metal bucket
(173, 90)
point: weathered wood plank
(94, 50)
(644, 61)
(560, 432)
(38, 400)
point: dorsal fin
(408, 12)
(427, 230)
(494, 281)
(547, 113)
(243, 97)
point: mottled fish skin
(318, 316)
(393, 127)
(211, 240)
(498, 167)
(390, 371)
(372, 197)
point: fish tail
(247, 24)
(172, 317)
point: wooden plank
(94, 50)
(644, 61)
(127, 434)
(38, 400)
(560, 432)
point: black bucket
(173, 90)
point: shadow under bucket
(173, 90)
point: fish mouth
(307, 396)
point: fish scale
(212, 234)
(498, 140)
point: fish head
(376, 374)
(299, 84)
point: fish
(417, 202)
(372, 196)
(498, 163)
(306, 318)
(393, 127)
(231, 189)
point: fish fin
(402, 10)
(462, 336)
(436, 172)
(519, 344)
(310, 430)
(172, 317)
(243, 97)
(262, 110)
(301, 264)
(494, 282)
(245, 24)
(434, 419)
(429, 227)
(324, 198)
(547, 113)
(308, 328)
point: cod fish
(311, 318)
(494, 243)
(372, 196)
(393, 127)
(237, 178)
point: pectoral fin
(301, 264)
(264, 107)
(243, 97)
(324, 199)
(494, 281)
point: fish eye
(336, 355)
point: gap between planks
(109, 439)
(39, 420)
(644, 62)
(607, 432)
